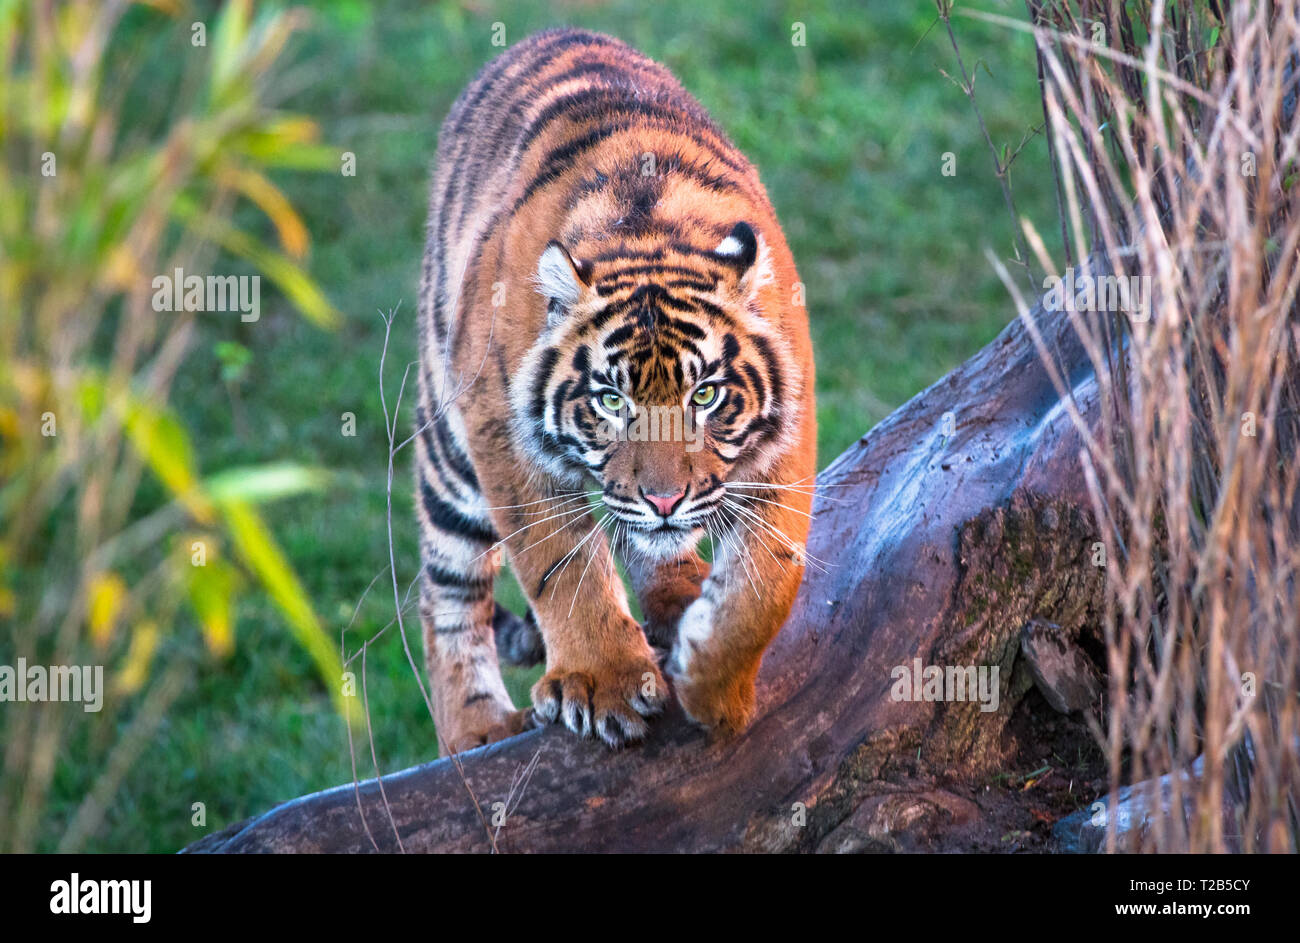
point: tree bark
(936, 547)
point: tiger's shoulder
(576, 137)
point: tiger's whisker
(737, 546)
(528, 504)
(771, 528)
(763, 543)
(559, 568)
(502, 541)
(591, 555)
(750, 497)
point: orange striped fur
(609, 317)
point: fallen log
(944, 533)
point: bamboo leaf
(211, 593)
(269, 199)
(228, 38)
(263, 556)
(265, 482)
(106, 594)
(296, 284)
(161, 441)
(135, 665)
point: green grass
(849, 134)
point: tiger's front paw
(662, 603)
(721, 701)
(611, 702)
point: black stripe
(550, 571)
(687, 328)
(638, 300)
(700, 173)
(451, 519)
(585, 65)
(558, 160)
(619, 336)
(652, 264)
(448, 482)
(453, 629)
(605, 287)
(604, 101)
(773, 369)
(735, 405)
(460, 462)
(441, 576)
(709, 308)
(544, 369)
(542, 49)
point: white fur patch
(729, 246)
(764, 273)
(696, 624)
(555, 277)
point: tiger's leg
(665, 588)
(519, 640)
(459, 562)
(757, 568)
(601, 675)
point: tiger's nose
(665, 504)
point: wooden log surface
(934, 547)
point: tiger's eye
(611, 401)
(705, 395)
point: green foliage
(848, 133)
(98, 202)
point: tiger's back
(592, 229)
(516, 134)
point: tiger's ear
(560, 280)
(739, 249)
(746, 254)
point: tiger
(598, 253)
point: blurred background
(182, 500)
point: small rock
(899, 822)
(1084, 832)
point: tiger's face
(659, 379)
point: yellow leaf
(289, 141)
(8, 423)
(303, 293)
(263, 556)
(211, 590)
(135, 666)
(161, 440)
(265, 482)
(107, 593)
(30, 381)
(289, 226)
(293, 129)
(228, 46)
(121, 269)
